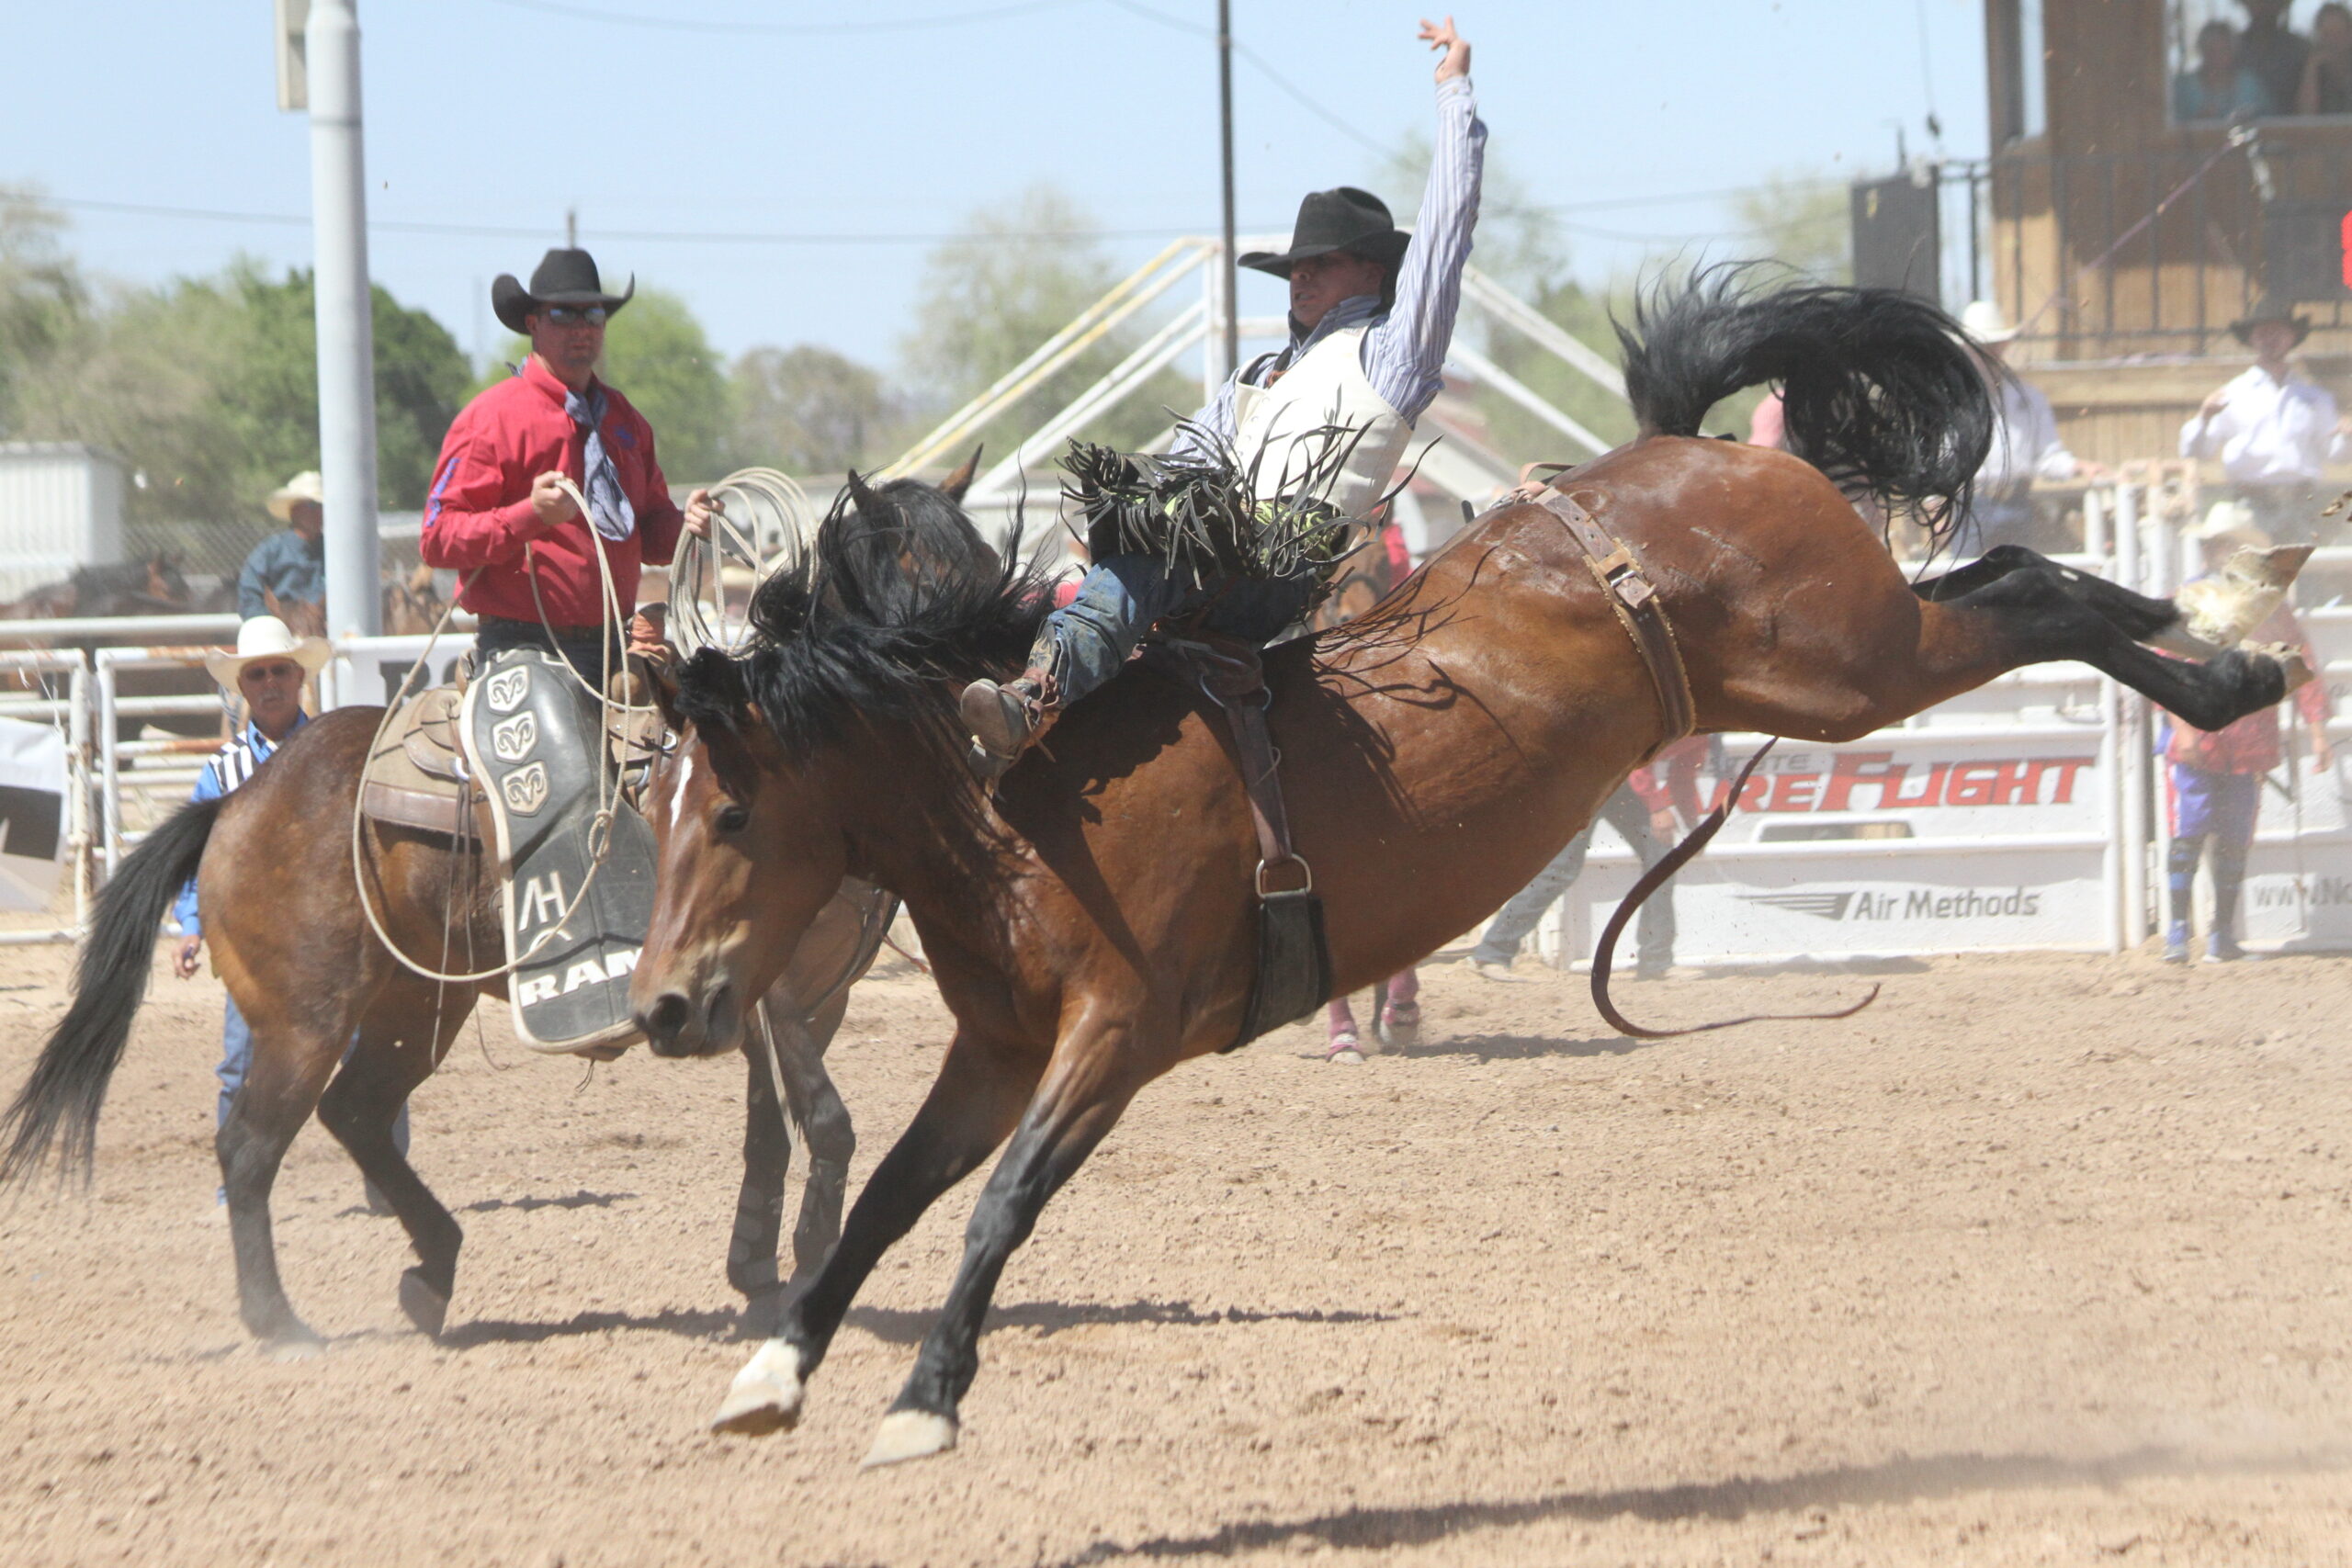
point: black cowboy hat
(2269, 309)
(562, 278)
(1346, 220)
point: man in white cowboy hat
(2272, 427)
(288, 568)
(2026, 446)
(2214, 780)
(267, 673)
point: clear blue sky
(502, 113)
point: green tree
(809, 409)
(657, 354)
(208, 387)
(44, 300)
(1802, 220)
(1012, 280)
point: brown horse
(273, 864)
(1090, 925)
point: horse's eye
(732, 818)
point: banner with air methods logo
(536, 741)
(1911, 840)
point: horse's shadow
(686, 1322)
(1898, 1481)
(900, 1326)
(1519, 1047)
(584, 1199)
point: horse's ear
(867, 502)
(664, 683)
(955, 484)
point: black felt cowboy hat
(2268, 309)
(1346, 220)
(562, 278)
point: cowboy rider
(1371, 312)
(495, 511)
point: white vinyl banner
(32, 813)
(1912, 841)
(2299, 877)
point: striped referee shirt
(224, 771)
(1404, 351)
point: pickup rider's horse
(1091, 924)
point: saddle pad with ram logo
(535, 741)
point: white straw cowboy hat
(2231, 520)
(1984, 321)
(305, 486)
(265, 636)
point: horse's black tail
(69, 1083)
(1881, 391)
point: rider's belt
(1634, 598)
(593, 631)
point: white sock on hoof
(909, 1434)
(765, 1395)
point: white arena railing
(2028, 814)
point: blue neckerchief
(608, 508)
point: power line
(1296, 92)
(794, 29)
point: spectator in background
(1768, 425)
(2272, 428)
(2273, 53)
(2327, 74)
(1644, 811)
(2222, 86)
(286, 576)
(2214, 781)
(2026, 446)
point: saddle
(417, 779)
(1293, 971)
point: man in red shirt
(494, 512)
(536, 570)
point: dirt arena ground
(2039, 1260)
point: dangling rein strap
(1634, 598)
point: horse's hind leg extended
(973, 1104)
(2029, 616)
(398, 1047)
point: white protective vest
(1325, 387)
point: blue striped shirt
(1404, 351)
(224, 771)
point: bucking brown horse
(1091, 923)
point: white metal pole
(2131, 739)
(346, 336)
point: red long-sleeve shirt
(479, 514)
(2251, 745)
(1679, 787)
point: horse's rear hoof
(425, 1306)
(909, 1434)
(765, 1395)
(2290, 659)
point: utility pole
(1224, 121)
(345, 321)
(571, 228)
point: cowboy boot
(1007, 718)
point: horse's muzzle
(675, 1026)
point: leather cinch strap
(1235, 682)
(1634, 598)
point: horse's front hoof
(909, 1434)
(423, 1304)
(765, 1395)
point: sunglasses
(576, 315)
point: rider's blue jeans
(1123, 595)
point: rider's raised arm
(1404, 353)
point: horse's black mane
(896, 603)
